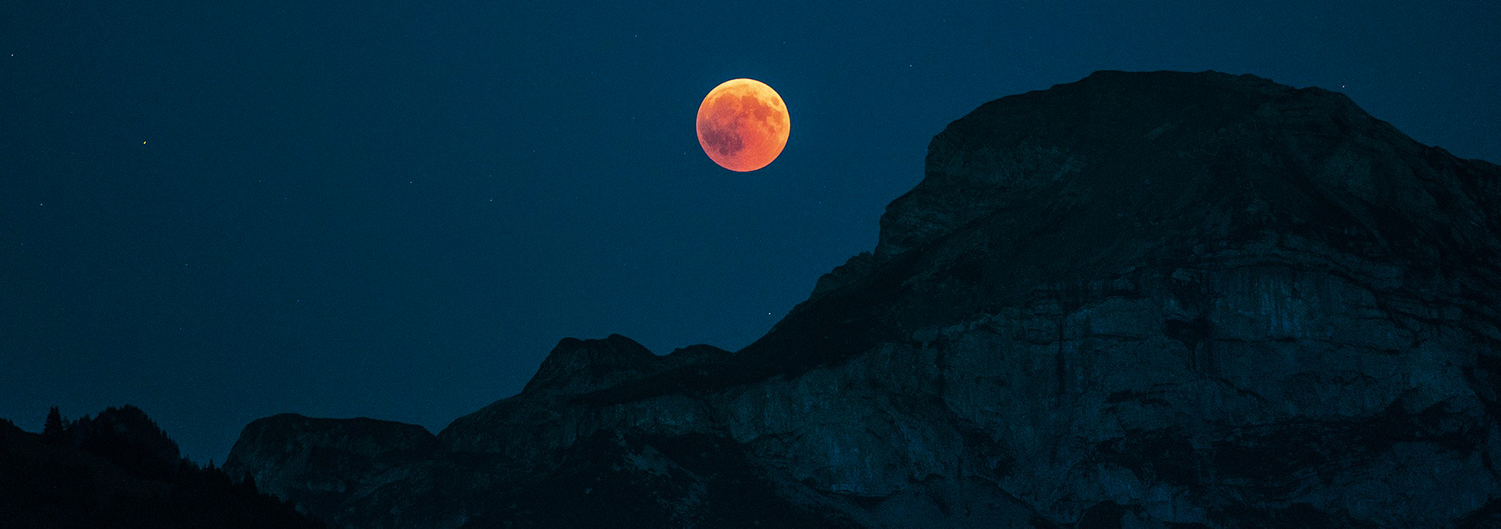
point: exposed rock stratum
(1158, 300)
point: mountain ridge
(1155, 299)
(119, 469)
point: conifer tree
(52, 430)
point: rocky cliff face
(1139, 300)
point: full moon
(743, 125)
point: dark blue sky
(221, 211)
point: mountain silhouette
(1166, 300)
(119, 469)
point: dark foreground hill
(119, 470)
(1162, 300)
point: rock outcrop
(1138, 300)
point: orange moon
(743, 125)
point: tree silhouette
(52, 430)
(132, 477)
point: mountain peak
(576, 365)
(1144, 148)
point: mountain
(1162, 300)
(119, 469)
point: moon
(743, 125)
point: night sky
(219, 211)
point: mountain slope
(1142, 299)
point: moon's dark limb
(724, 140)
(720, 130)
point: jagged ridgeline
(1165, 300)
(119, 469)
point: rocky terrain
(1156, 300)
